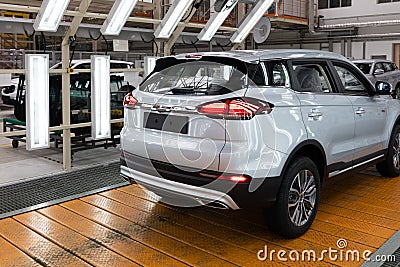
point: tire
(397, 92)
(391, 166)
(284, 219)
(14, 143)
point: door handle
(360, 111)
(315, 114)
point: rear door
(327, 114)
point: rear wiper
(187, 90)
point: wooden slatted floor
(128, 227)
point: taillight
(235, 178)
(235, 109)
(129, 100)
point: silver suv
(257, 128)
(381, 70)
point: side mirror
(379, 72)
(383, 88)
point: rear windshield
(364, 67)
(198, 77)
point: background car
(381, 70)
(9, 93)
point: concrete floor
(18, 164)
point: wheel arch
(396, 122)
(313, 150)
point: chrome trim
(332, 174)
(179, 189)
(165, 108)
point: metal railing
(296, 10)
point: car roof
(255, 55)
(371, 60)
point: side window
(85, 66)
(378, 66)
(351, 84)
(312, 78)
(394, 66)
(277, 74)
(256, 74)
(387, 67)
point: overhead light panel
(216, 21)
(172, 18)
(251, 20)
(117, 17)
(100, 97)
(37, 101)
(49, 15)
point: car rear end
(193, 137)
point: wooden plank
(12, 256)
(236, 222)
(36, 246)
(366, 208)
(112, 240)
(324, 235)
(146, 235)
(390, 204)
(356, 225)
(165, 225)
(85, 248)
(360, 216)
(250, 243)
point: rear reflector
(239, 109)
(228, 177)
(129, 100)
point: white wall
(361, 8)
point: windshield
(364, 67)
(196, 77)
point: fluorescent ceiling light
(216, 21)
(117, 17)
(100, 97)
(251, 20)
(172, 18)
(49, 15)
(37, 101)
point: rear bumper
(171, 182)
(175, 190)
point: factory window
(322, 4)
(387, 1)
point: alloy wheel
(396, 151)
(302, 196)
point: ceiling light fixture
(116, 19)
(216, 21)
(172, 18)
(49, 15)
